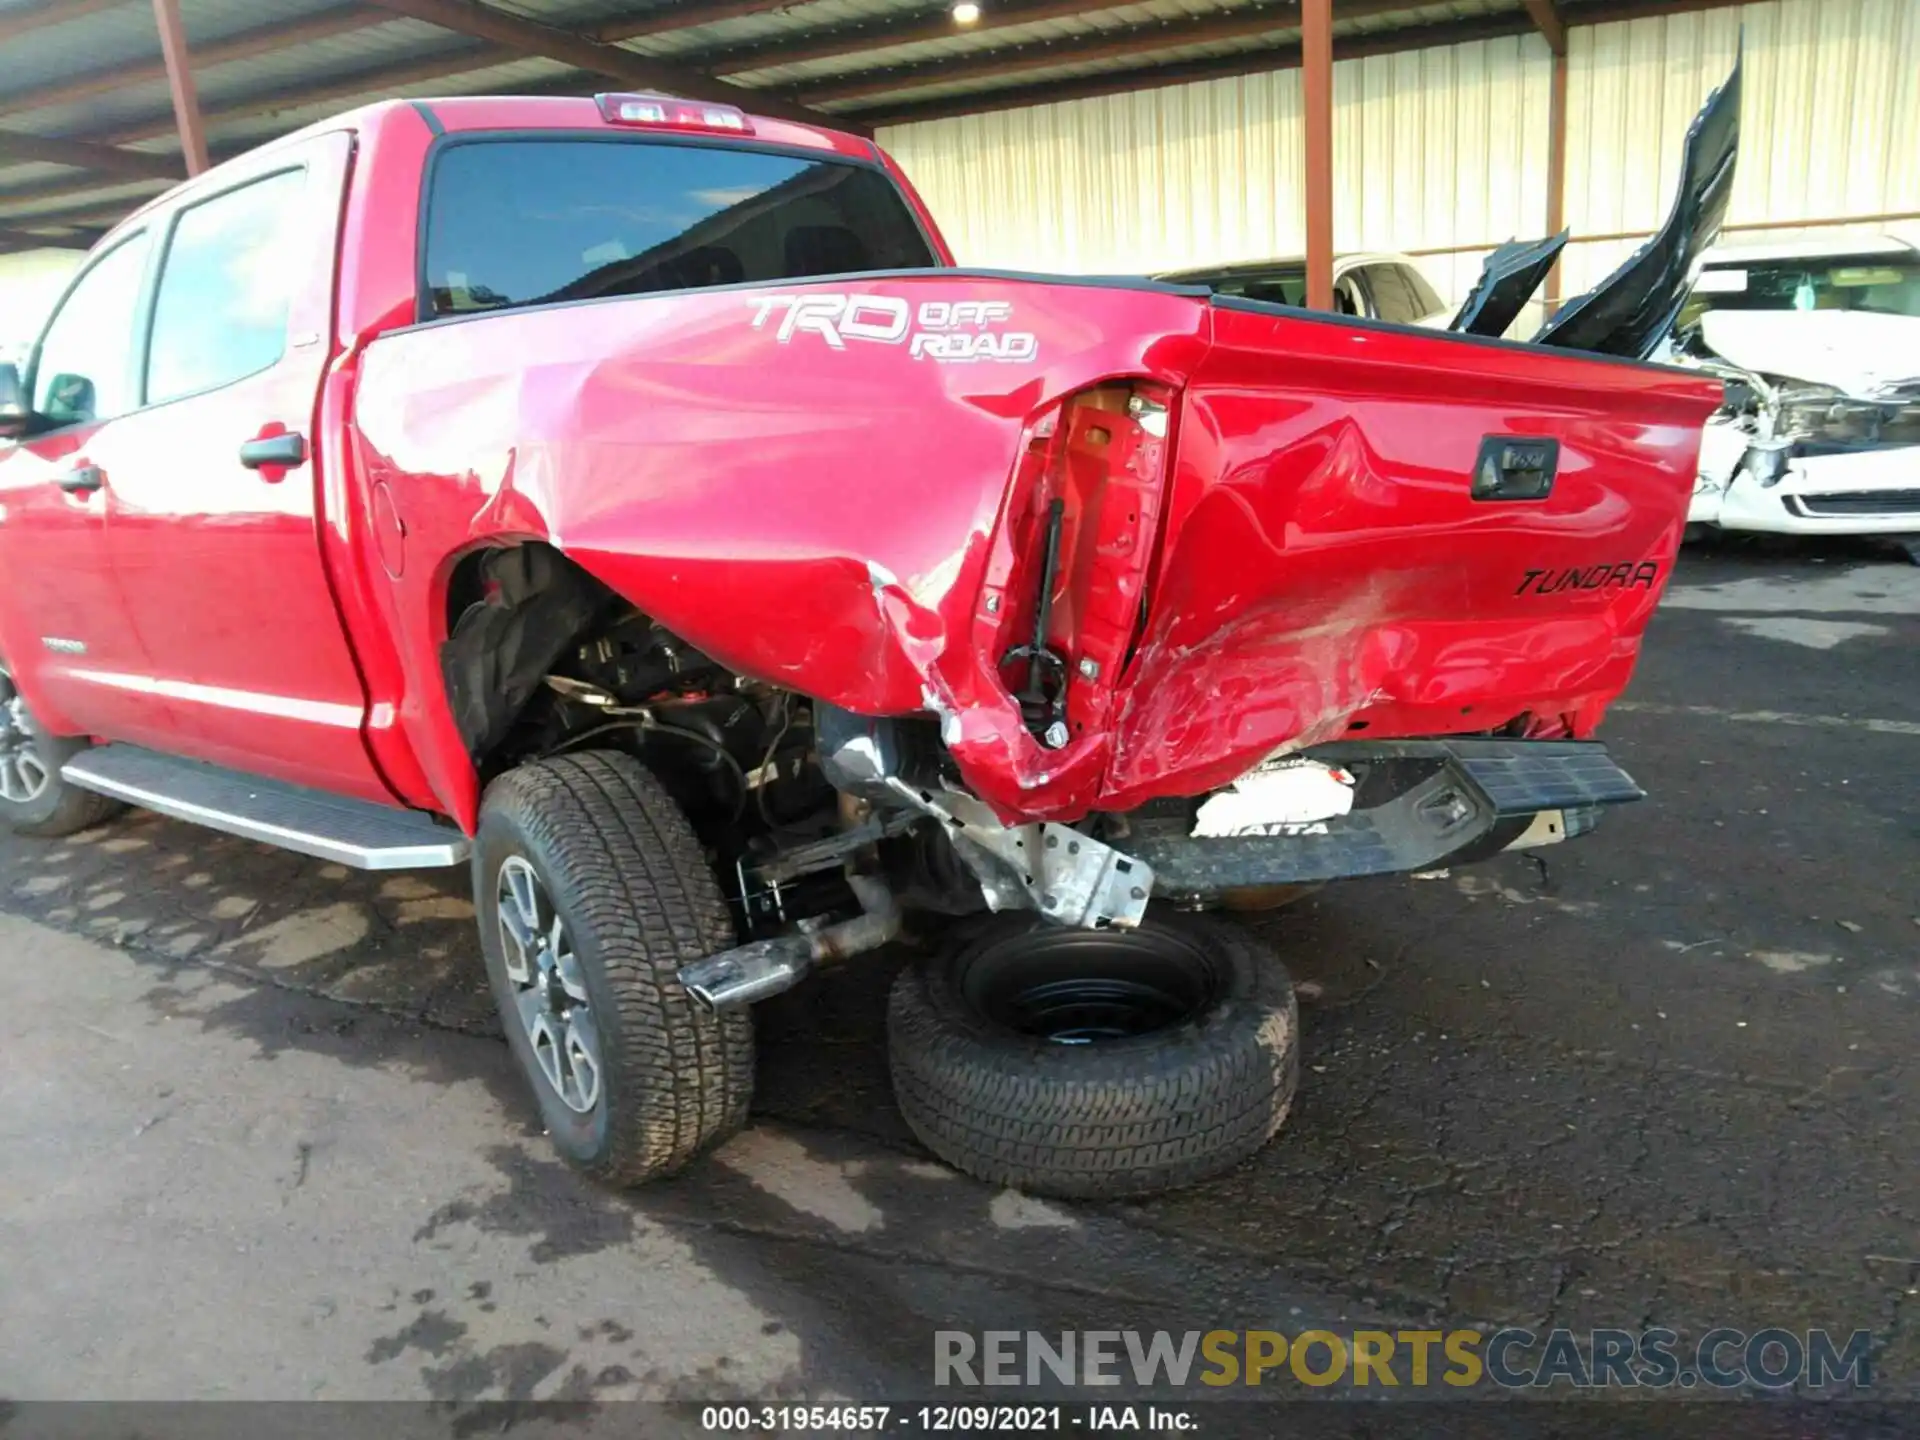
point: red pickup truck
(630, 498)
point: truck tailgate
(1354, 544)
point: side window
(220, 312)
(1394, 298)
(82, 370)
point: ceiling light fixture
(965, 13)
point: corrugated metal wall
(1447, 146)
(1124, 182)
(1830, 118)
(1443, 149)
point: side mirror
(70, 400)
(15, 416)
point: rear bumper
(1419, 803)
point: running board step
(311, 822)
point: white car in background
(1819, 345)
(1375, 287)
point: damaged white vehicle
(1819, 345)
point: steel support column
(1556, 168)
(1316, 86)
(186, 100)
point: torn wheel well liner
(512, 612)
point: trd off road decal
(940, 330)
(1626, 575)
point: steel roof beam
(863, 36)
(13, 240)
(88, 191)
(358, 86)
(531, 38)
(1547, 20)
(1599, 12)
(95, 217)
(905, 110)
(362, 87)
(16, 149)
(28, 18)
(679, 15)
(261, 40)
(1142, 41)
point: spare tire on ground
(1095, 1063)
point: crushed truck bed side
(1271, 535)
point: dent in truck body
(855, 523)
(825, 520)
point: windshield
(1875, 284)
(530, 222)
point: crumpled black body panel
(1507, 281)
(1633, 309)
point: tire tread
(1084, 1124)
(679, 1077)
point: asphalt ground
(259, 1137)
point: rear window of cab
(513, 222)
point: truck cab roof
(468, 113)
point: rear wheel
(34, 800)
(1095, 1063)
(592, 892)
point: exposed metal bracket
(826, 854)
(1066, 876)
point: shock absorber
(1043, 699)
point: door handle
(278, 450)
(83, 480)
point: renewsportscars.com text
(1512, 1358)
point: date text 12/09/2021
(943, 1419)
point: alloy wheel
(550, 994)
(24, 776)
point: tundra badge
(1626, 575)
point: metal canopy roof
(88, 123)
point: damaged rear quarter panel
(811, 504)
(816, 505)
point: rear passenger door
(216, 535)
(68, 636)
